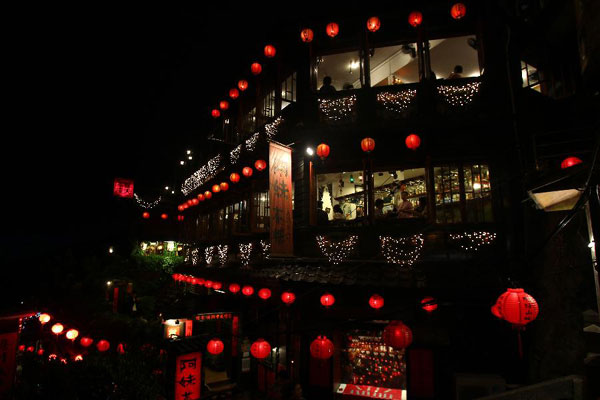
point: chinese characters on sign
(371, 391)
(188, 369)
(123, 188)
(280, 200)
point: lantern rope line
(146, 204)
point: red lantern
(190, 202)
(145, 215)
(367, 144)
(185, 206)
(327, 300)
(164, 216)
(224, 186)
(269, 51)
(195, 202)
(215, 113)
(397, 335)
(458, 10)
(260, 165)
(234, 288)
(216, 188)
(321, 348)
(217, 285)
(44, 318)
(260, 349)
(22, 347)
(180, 218)
(288, 297)
(234, 93)
(243, 84)
(215, 346)
(200, 197)
(247, 172)
(373, 24)
(247, 290)
(307, 35)
(376, 301)
(256, 68)
(323, 151)
(57, 329)
(30, 349)
(569, 162)
(332, 29)
(72, 334)
(517, 307)
(180, 207)
(40, 352)
(429, 304)
(224, 105)
(207, 195)
(200, 281)
(234, 177)
(264, 293)
(86, 341)
(413, 141)
(103, 345)
(415, 18)
(208, 283)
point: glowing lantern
(40, 352)
(103, 345)
(190, 202)
(458, 10)
(307, 35)
(397, 335)
(200, 281)
(323, 151)
(224, 105)
(270, 51)
(234, 288)
(234, 177)
(30, 349)
(429, 304)
(121, 348)
(256, 68)
(376, 301)
(44, 318)
(164, 216)
(200, 197)
(373, 24)
(415, 18)
(327, 300)
(247, 290)
(180, 218)
(288, 297)
(57, 329)
(215, 346)
(72, 334)
(216, 188)
(332, 29)
(224, 186)
(569, 162)
(86, 341)
(215, 113)
(264, 293)
(367, 144)
(145, 215)
(78, 357)
(208, 284)
(321, 348)
(260, 349)
(180, 207)
(517, 307)
(243, 85)
(217, 285)
(247, 172)
(195, 202)
(207, 194)
(185, 206)
(413, 141)
(260, 165)
(22, 347)
(234, 93)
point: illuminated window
(394, 65)
(455, 57)
(288, 91)
(389, 188)
(343, 192)
(344, 69)
(530, 77)
(261, 212)
(269, 105)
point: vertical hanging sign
(280, 200)
(188, 369)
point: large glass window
(447, 194)
(269, 105)
(400, 194)
(239, 216)
(288, 91)
(249, 121)
(344, 69)
(530, 76)
(455, 57)
(478, 193)
(261, 211)
(394, 65)
(340, 196)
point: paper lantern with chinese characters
(415, 18)
(215, 113)
(247, 172)
(367, 144)
(164, 216)
(234, 288)
(103, 345)
(260, 349)
(242, 84)
(569, 162)
(264, 293)
(288, 297)
(224, 186)
(207, 194)
(373, 24)
(86, 341)
(270, 51)
(458, 10)
(307, 35)
(234, 177)
(57, 329)
(332, 29)
(200, 197)
(429, 304)
(72, 334)
(247, 290)
(44, 318)
(256, 68)
(260, 165)
(397, 335)
(517, 307)
(323, 151)
(145, 215)
(321, 348)
(376, 301)
(216, 188)
(413, 141)
(234, 93)
(215, 346)
(327, 300)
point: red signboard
(188, 369)
(358, 391)
(189, 325)
(8, 350)
(123, 188)
(115, 299)
(280, 200)
(235, 331)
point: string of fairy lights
(146, 204)
(195, 256)
(245, 253)
(337, 252)
(459, 95)
(222, 250)
(337, 110)
(272, 129)
(209, 253)
(473, 241)
(266, 248)
(402, 251)
(396, 102)
(250, 143)
(234, 155)
(201, 176)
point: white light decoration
(473, 241)
(234, 155)
(337, 252)
(222, 252)
(272, 129)
(459, 95)
(195, 256)
(251, 141)
(397, 102)
(245, 253)
(209, 254)
(146, 204)
(402, 251)
(266, 248)
(337, 109)
(204, 174)
(186, 256)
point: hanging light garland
(251, 141)
(209, 254)
(234, 155)
(402, 251)
(222, 252)
(459, 95)
(337, 109)
(397, 102)
(337, 252)
(195, 256)
(146, 204)
(266, 248)
(473, 241)
(200, 177)
(272, 129)
(245, 253)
